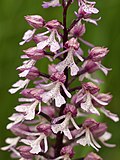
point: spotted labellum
(47, 123)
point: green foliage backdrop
(12, 27)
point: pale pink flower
(91, 130)
(68, 62)
(35, 144)
(64, 126)
(54, 93)
(51, 3)
(88, 139)
(53, 27)
(51, 41)
(29, 109)
(85, 97)
(73, 50)
(86, 9)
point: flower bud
(90, 66)
(72, 43)
(70, 109)
(49, 110)
(30, 73)
(34, 53)
(35, 21)
(54, 24)
(92, 156)
(25, 152)
(33, 73)
(44, 128)
(58, 77)
(99, 129)
(27, 92)
(32, 93)
(102, 97)
(38, 38)
(67, 150)
(92, 88)
(19, 129)
(78, 30)
(98, 53)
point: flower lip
(28, 36)
(30, 73)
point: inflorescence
(45, 123)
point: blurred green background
(12, 27)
